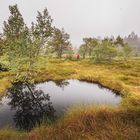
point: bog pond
(25, 106)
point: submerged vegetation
(43, 52)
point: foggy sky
(82, 18)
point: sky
(82, 18)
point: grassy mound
(88, 123)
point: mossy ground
(88, 123)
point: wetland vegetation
(31, 56)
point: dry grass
(9, 134)
(90, 123)
(86, 123)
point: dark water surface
(27, 105)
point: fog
(82, 18)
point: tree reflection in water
(61, 84)
(32, 106)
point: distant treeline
(134, 41)
(23, 44)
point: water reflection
(61, 84)
(32, 106)
(26, 105)
(115, 92)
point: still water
(27, 105)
